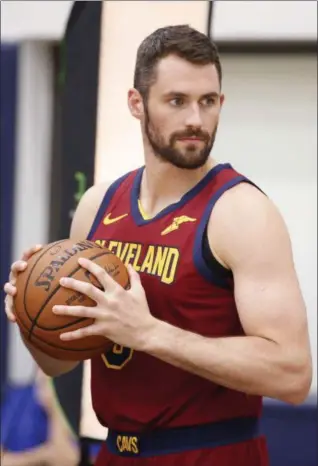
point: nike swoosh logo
(108, 221)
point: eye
(209, 101)
(177, 102)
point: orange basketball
(38, 290)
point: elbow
(300, 394)
(298, 384)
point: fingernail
(63, 281)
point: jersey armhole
(205, 261)
(212, 262)
(105, 202)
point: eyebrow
(182, 94)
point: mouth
(191, 139)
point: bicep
(267, 294)
(253, 240)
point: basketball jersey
(131, 390)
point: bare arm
(273, 359)
(35, 457)
(50, 366)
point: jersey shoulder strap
(204, 259)
(119, 186)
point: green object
(81, 179)
(62, 71)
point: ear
(222, 97)
(135, 104)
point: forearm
(252, 365)
(50, 366)
(34, 457)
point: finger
(78, 311)
(88, 331)
(101, 274)
(29, 252)
(9, 312)
(10, 289)
(83, 287)
(134, 277)
(18, 266)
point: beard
(191, 156)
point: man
(214, 318)
(43, 438)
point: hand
(120, 315)
(10, 288)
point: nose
(194, 118)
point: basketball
(38, 290)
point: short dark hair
(181, 40)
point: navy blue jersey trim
(207, 272)
(106, 200)
(180, 439)
(212, 262)
(139, 220)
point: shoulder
(245, 224)
(242, 201)
(87, 209)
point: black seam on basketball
(53, 329)
(22, 324)
(104, 253)
(30, 274)
(54, 291)
(27, 333)
(65, 348)
(43, 252)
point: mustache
(191, 133)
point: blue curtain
(8, 100)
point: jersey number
(117, 357)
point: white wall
(28, 20)
(264, 20)
(270, 112)
(296, 19)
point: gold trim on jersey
(144, 215)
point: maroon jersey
(132, 391)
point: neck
(163, 184)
